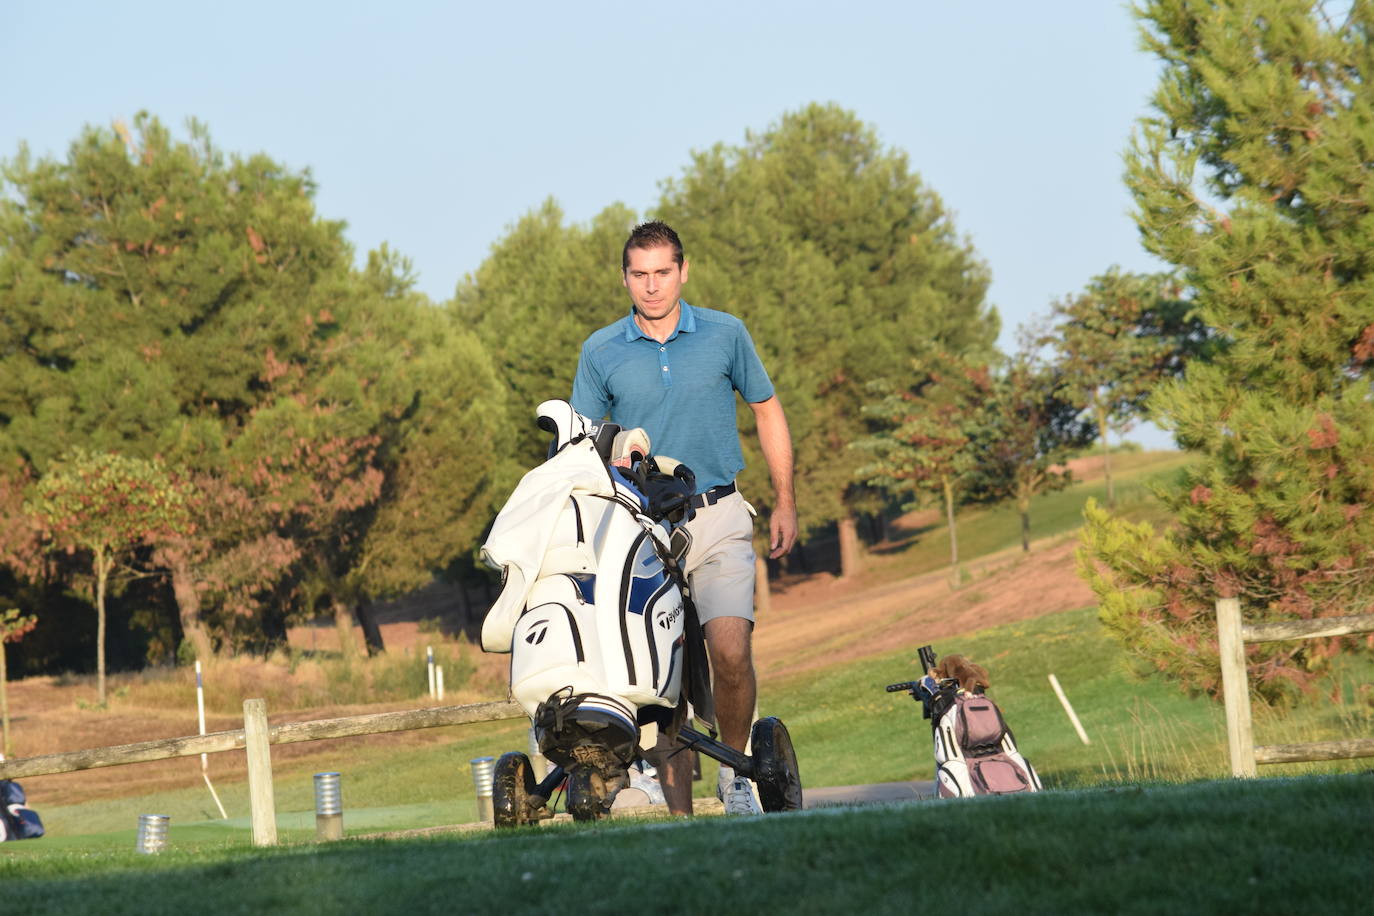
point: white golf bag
(589, 609)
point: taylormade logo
(535, 637)
(667, 620)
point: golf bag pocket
(548, 651)
(978, 727)
(17, 820)
(998, 775)
(975, 752)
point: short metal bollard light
(482, 770)
(152, 833)
(328, 807)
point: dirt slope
(824, 621)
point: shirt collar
(686, 323)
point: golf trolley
(606, 648)
(975, 751)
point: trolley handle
(905, 685)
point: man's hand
(776, 443)
(782, 529)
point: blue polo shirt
(682, 391)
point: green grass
(1208, 847)
(384, 787)
(847, 730)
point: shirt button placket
(663, 363)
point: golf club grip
(905, 685)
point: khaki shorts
(720, 562)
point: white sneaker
(739, 798)
(645, 779)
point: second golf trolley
(606, 648)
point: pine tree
(844, 265)
(161, 298)
(1252, 178)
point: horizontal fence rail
(1232, 635)
(1306, 629)
(285, 733)
(1315, 750)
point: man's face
(654, 280)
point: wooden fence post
(1240, 737)
(259, 750)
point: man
(673, 369)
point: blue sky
(434, 126)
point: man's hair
(651, 235)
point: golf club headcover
(630, 445)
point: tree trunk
(850, 557)
(372, 633)
(763, 595)
(470, 622)
(102, 575)
(343, 624)
(1106, 456)
(4, 699)
(188, 607)
(1023, 501)
(953, 534)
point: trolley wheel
(512, 784)
(775, 766)
(589, 794)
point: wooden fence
(256, 738)
(1232, 635)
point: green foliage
(164, 299)
(925, 431)
(1119, 338)
(1249, 178)
(1026, 430)
(106, 505)
(444, 457)
(150, 286)
(544, 288)
(843, 265)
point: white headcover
(558, 417)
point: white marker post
(1073, 717)
(204, 762)
(429, 664)
(439, 683)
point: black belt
(712, 496)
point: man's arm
(776, 442)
